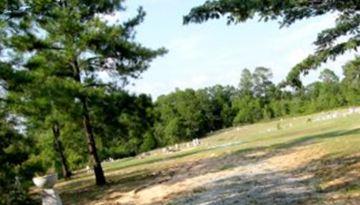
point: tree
(34, 102)
(60, 150)
(352, 73)
(248, 109)
(218, 100)
(351, 81)
(124, 121)
(15, 150)
(182, 115)
(70, 43)
(246, 84)
(328, 46)
(330, 95)
(328, 76)
(256, 91)
(262, 81)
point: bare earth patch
(296, 158)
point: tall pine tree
(69, 43)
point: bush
(149, 142)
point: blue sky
(202, 55)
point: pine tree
(68, 44)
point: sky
(202, 55)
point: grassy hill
(311, 159)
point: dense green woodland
(58, 115)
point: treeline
(187, 114)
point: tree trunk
(59, 148)
(99, 174)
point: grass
(338, 139)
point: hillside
(311, 159)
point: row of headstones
(176, 148)
(328, 116)
(89, 170)
(279, 125)
(194, 143)
(335, 115)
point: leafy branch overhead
(329, 42)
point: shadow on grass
(87, 191)
(335, 174)
(156, 159)
(312, 138)
(280, 148)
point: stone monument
(49, 195)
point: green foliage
(255, 92)
(122, 120)
(351, 81)
(248, 109)
(352, 73)
(184, 115)
(149, 142)
(328, 76)
(246, 82)
(180, 116)
(219, 103)
(14, 152)
(63, 46)
(262, 81)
